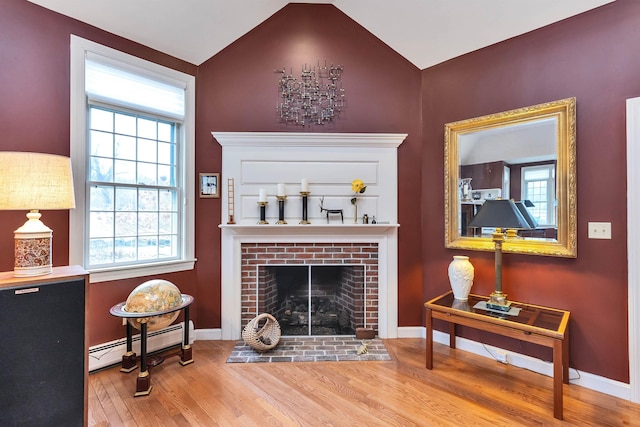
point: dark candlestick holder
(305, 196)
(263, 212)
(281, 200)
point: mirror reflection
(527, 155)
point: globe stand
(129, 359)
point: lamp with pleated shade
(34, 182)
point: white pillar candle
(304, 185)
(263, 195)
(281, 192)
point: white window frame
(551, 200)
(77, 217)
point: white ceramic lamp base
(32, 248)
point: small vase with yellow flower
(358, 187)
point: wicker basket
(262, 333)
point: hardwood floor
(463, 389)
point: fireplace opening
(312, 300)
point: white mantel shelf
(309, 229)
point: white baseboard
(209, 334)
(583, 379)
(110, 353)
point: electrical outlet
(502, 356)
(599, 230)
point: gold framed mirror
(527, 154)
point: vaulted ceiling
(425, 32)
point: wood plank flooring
(463, 389)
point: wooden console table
(540, 325)
(129, 359)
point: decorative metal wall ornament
(317, 97)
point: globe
(152, 296)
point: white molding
(233, 237)
(578, 378)
(298, 139)
(79, 48)
(633, 243)
(214, 334)
(329, 162)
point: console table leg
(558, 369)
(452, 335)
(429, 340)
(565, 357)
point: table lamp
(34, 181)
(499, 214)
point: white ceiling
(425, 32)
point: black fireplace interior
(313, 299)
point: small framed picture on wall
(210, 185)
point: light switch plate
(600, 230)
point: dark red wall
(593, 57)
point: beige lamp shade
(34, 181)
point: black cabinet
(43, 349)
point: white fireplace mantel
(329, 162)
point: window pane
(168, 223)
(148, 247)
(101, 198)
(148, 200)
(126, 225)
(101, 224)
(166, 153)
(167, 246)
(125, 147)
(100, 251)
(166, 175)
(125, 124)
(165, 132)
(147, 128)
(147, 173)
(147, 223)
(101, 120)
(101, 170)
(126, 199)
(126, 249)
(125, 172)
(147, 150)
(168, 200)
(101, 144)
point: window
(538, 186)
(132, 152)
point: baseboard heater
(110, 353)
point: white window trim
(551, 210)
(77, 220)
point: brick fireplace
(257, 163)
(357, 281)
